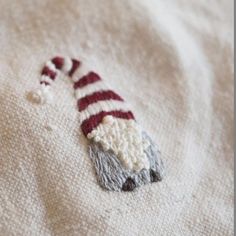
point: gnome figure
(123, 155)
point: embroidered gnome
(124, 156)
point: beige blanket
(173, 62)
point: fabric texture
(172, 61)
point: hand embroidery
(123, 155)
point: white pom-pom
(42, 95)
(108, 120)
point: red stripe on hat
(90, 78)
(84, 102)
(46, 71)
(93, 121)
(58, 62)
(75, 65)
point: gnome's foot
(129, 185)
(155, 176)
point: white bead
(108, 120)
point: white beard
(125, 139)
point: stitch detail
(84, 102)
(90, 78)
(90, 88)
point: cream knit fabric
(172, 60)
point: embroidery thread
(124, 156)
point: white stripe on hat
(90, 88)
(82, 71)
(106, 106)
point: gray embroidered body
(113, 176)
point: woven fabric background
(172, 61)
